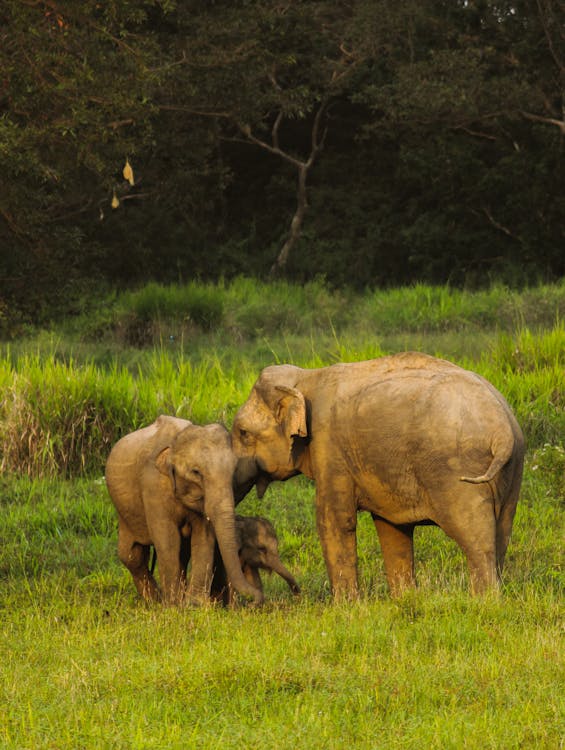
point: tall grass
(529, 369)
(58, 418)
(244, 309)
(248, 308)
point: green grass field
(84, 664)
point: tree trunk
(302, 166)
(296, 223)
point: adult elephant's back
(428, 412)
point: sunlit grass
(430, 670)
(85, 664)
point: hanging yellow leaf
(115, 201)
(128, 172)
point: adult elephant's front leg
(336, 519)
(202, 543)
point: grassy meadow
(84, 664)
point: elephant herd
(410, 438)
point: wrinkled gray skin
(167, 481)
(410, 438)
(258, 550)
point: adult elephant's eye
(195, 474)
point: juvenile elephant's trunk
(223, 520)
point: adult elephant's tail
(502, 449)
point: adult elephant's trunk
(222, 516)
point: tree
(439, 123)
(75, 101)
(289, 68)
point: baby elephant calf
(258, 549)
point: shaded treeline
(372, 143)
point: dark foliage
(428, 137)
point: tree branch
(499, 226)
(548, 120)
(195, 112)
(543, 15)
(476, 133)
(274, 149)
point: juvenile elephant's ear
(163, 463)
(290, 411)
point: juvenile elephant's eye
(244, 436)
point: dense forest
(367, 142)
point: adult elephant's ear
(165, 466)
(290, 411)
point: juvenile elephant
(410, 438)
(258, 550)
(171, 479)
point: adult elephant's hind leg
(397, 547)
(471, 523)
(135, 557)
(506, 518)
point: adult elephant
(410, 438)
(171, 480)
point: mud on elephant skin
(170, 478)
(410, 438)
(258, 550)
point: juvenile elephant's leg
(167, 541)
(336, 520)
(397, 547)
(220, 588)
(171, 576)
(202, 543)
(135, 557)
